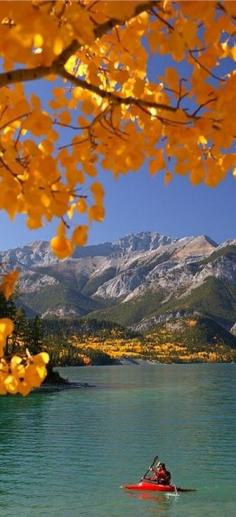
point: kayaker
(162, 476)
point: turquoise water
(65, 454)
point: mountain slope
(195, 339)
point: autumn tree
(21, 372)
(106, 107)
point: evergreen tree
(34, 340)
(19, 336)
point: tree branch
(113, 97)
(24, 74)
(38, 72)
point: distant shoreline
(65, 384)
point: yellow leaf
(96, 213)
(97, 191)
(24, 388)
(15, 361)
(157, 164)
(90, 169)
(172, 78)
(197, 175)
(176, 45)
(46, 147)
(80, 235)
(81, 206)
(189, 32)
(83, 26)
(61, 247)
(34, 375)
(34, 222)
(168, 178)
(73, 176)
(233, 52)
(41, 359)
(11, 384)
(6, 326)
(202, 140)
(9, 283)
(38, 40)
(65, 117)
(57, 46)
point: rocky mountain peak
(143, 241)
(198, 246)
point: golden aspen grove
(105, 111)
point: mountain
(139, 280)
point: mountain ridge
(131, 280)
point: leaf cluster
(104, 106)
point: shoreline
(51, 387)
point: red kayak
(150, 485)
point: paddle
(185, 489)
(150, 468)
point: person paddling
(162, 475)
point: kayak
(150, 485)
(145, 484)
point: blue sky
(140, 202)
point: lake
(65, 454)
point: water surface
(65, 454)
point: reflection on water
(162, 504)
(66, 454)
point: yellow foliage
(18, 374)
(94, 58)
(22, 374)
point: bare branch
(162, 19)
(77, 142)
(203, 106)
(76, 128)
(205, 68)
